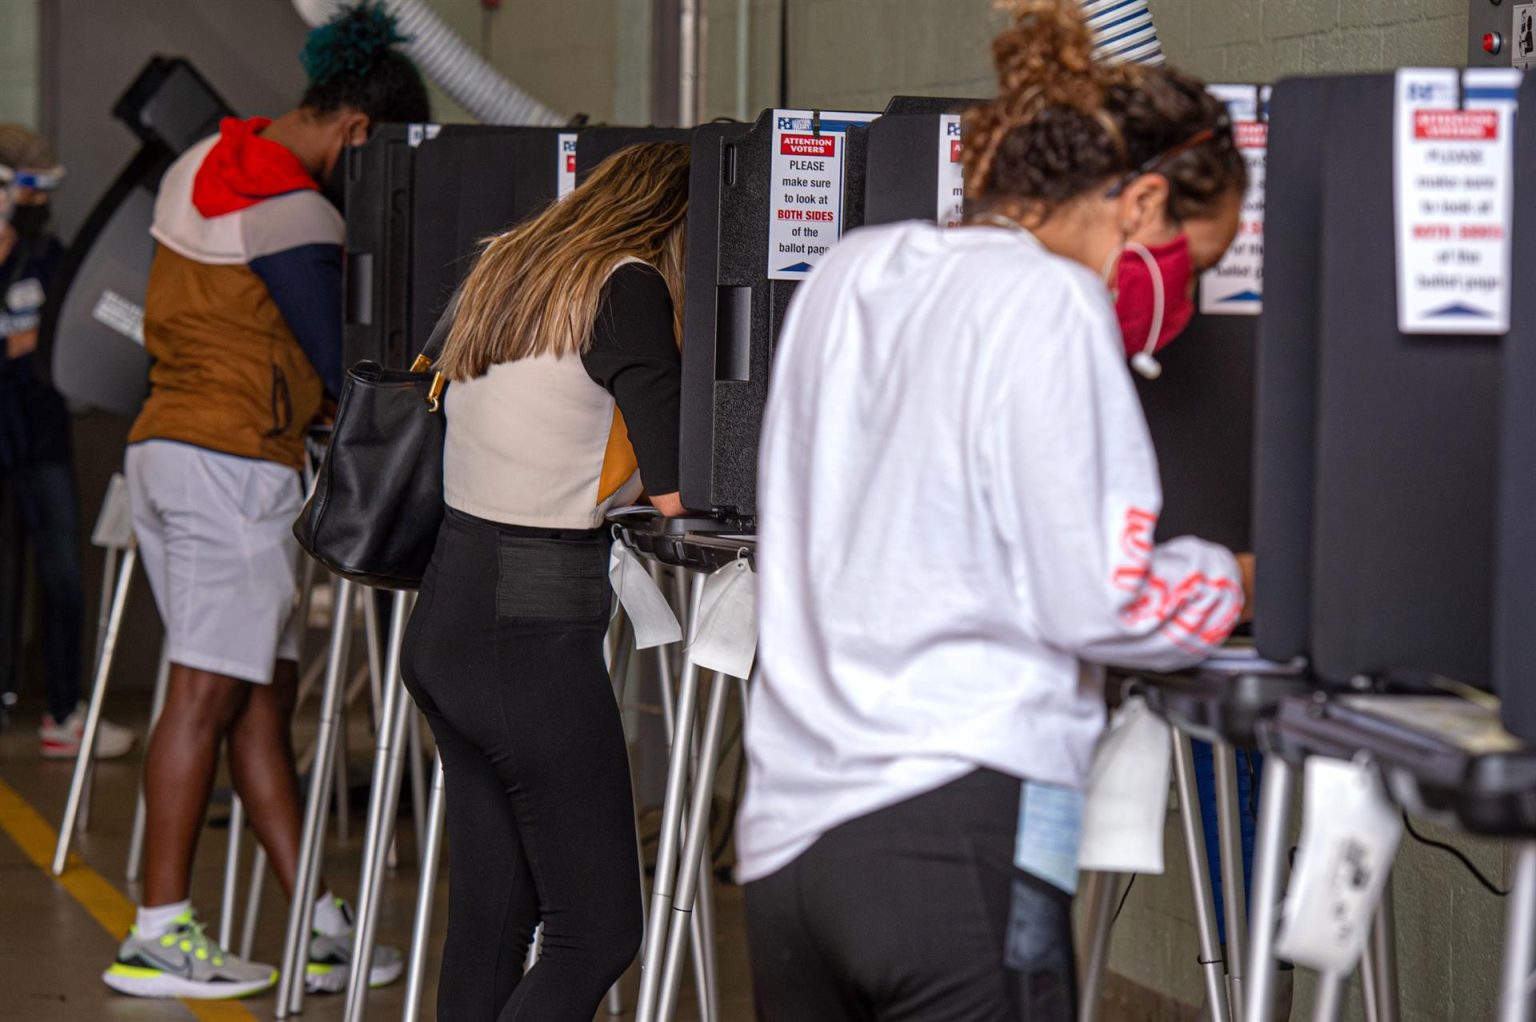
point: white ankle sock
(160, 920)
(330, 918)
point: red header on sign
(1251, 134)
(808, 145)
(954, 151)
(1456, 125)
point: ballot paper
(1349, 836)
(649, 612)
(726, 638)
(1126, 805)
(1050, 830)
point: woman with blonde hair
(564, 375)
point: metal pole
(253, 901)
(1519, 938)
(688, 63)
(231, 871)
(157, 704)
(1230, 846)
(1268, 881)
(693, 850)
(1103, 889)
(418, 761)
(301, 913)
(93, 713)
(1199, 879)
(1330, 997)
(421, 927)
(388, 769)
(743, 59)
(1384, 951)
(671, 820)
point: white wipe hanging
(1125, 809)
(1349, 836)
(649, 612)
(726, 640)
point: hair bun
(352, 44)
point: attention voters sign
(806, 190)
(1454, 197)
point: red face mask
(1153, 300)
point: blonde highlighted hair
(535, 290)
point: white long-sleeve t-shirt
(956, 495)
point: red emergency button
(1493, 42)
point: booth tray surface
(697, 544)
(1442, 756)
(1218, 704)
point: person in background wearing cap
(242, 318)
(35, 451)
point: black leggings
(504, 656)
(914, 913)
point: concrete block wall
(1260, 40)
(19, 78)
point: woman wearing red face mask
(957, 504)
(1187, 232)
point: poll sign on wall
(951, 198)
(567, 173)
(1235, 286)
(806, 188)
(1454, 140)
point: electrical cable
(1123, 895)
(1471, 867)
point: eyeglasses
(38, 180)
(1167, 156)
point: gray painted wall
(19, 85)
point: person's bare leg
(261, 762)
(179, 769)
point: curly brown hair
(1063, 122)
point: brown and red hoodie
(243, 314)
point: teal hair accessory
(351, 44)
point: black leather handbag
(378, 499)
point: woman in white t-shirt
(957, 503)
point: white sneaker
(61, 739)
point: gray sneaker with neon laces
(184, 963)
(330, 961)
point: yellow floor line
(105, 903)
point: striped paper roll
(1124, 31)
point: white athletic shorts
(216, 539)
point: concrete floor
(54, 935)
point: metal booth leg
(136, 842)
(1520, 938)
(1329, 1002)
(301, 913)
(1199, 879)
(1101, 890)
(697, 837)
(1378, 966)
(388, 772)
(1269, 868)
(1234, 896)
(87, 754)
(671, 823)
(231, 872)
(421, 927)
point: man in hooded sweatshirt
(243, 322)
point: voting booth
(419, 199)
(94, 323)
(767, 202)
(1384, 342)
